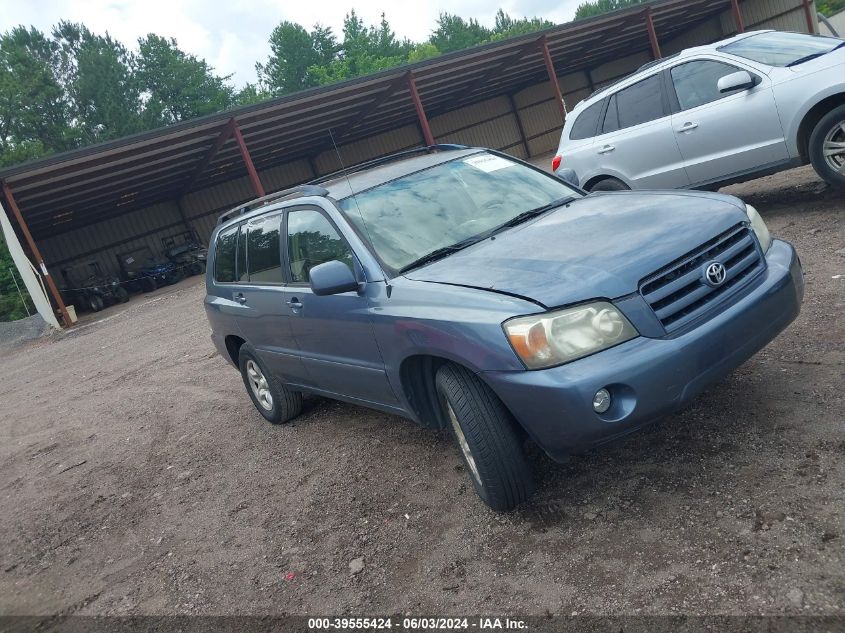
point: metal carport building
(97, 201)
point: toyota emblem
(714, 274)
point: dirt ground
(136, 478)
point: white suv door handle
(607, 149)
(688, 127)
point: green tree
(96, 74)
(453, 33)
(34, 109)
(600, 7)
(506, 26)
(830, 7)
(292, 53)
(11, 306)
(176, 85)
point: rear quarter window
(224, 255)
(586, 124)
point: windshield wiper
(532, 213)
(443, 252)
(808, 58)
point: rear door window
(641, 102)
(586, 123)
(264, 261)
(224, 255)
(696, 83)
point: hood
(599, 246)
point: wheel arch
(811, 119)
(233, 347)
(417, 376)
(592, 182)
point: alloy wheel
(462, 442)
(834, 148)
(258, 384)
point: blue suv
(470, 291)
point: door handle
(295, 304)
(607, 149)
(240, 298)
(688, 127)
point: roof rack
(441, 147)
(286, 194)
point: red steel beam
(808, 13)
(550, 68)
(418, 106)
(740, 24)
(225, 134)
(652, 35)
(33, 247)
(253, 175)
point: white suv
(754, 104)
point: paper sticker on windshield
(488, 162)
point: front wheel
(274, 401)
(827, 147)
(486, 434)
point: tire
(196, 268)
(95, 303)
(148, 284)
(486, 434)
(283, 405)
(610, 184)
(830, 133)
(121, 295)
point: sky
(232, 36)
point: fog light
(601, 401)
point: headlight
(760, 228)
(554, 338)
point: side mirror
(332, 278)
(568, 176)
(741, 80)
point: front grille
(678, 293)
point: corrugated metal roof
(65, 191)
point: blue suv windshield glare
(415, 215)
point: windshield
(406, 219)
(782, 49)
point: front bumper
(650, 377)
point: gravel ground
(136, 478)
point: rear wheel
(121, 295)
(486, 434)
(196, 268)
(610, 184)
(274, 401)
(827, 147)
